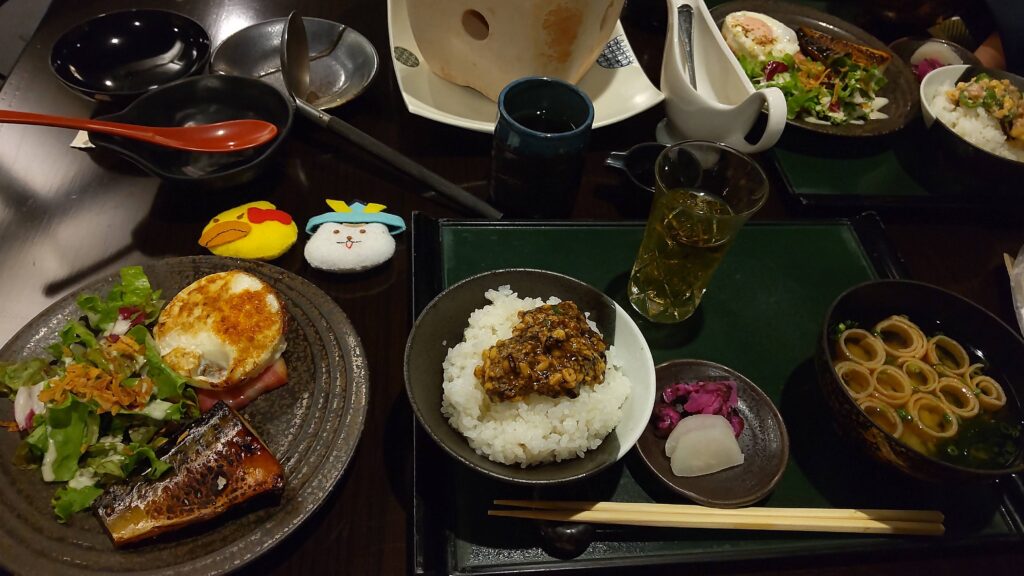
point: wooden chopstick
(665, 515)
(840, 513)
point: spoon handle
(228, 136)
(16, 117)
(398, 160)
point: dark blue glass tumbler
(539, 146)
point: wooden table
(67, 217)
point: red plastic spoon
(229, 136)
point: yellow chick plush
(255, 231)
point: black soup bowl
(202, 100)
(984, 337)
(121, 55)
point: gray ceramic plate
(901, 89)
(342, 61)
(312, 425)
(764, 442)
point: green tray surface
(761, 316)
(897, 168)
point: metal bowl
(983, 335)
(441, 327)
(202, 100)
(342, 61)
(121, 55)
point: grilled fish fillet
(222, 329)
(218, 462)
(821, 47)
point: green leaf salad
(825, 79)
(95, 411)
(838, 91)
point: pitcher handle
(775, 102)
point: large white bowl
(936, 81)
(441, 327)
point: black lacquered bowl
(983, 336)
(202, 100)
(121, 55)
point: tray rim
(886, 202)
(431, 556)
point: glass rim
(549, 80)
(721, 146)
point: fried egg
(222, 329)
(758, 36)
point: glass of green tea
(704, 192)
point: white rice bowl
(537, 429)
(974, 125)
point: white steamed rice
(974, 125)
(537, 429)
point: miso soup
(968, 418)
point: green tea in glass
(704, 192)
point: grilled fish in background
(218, 462)
(821, 47)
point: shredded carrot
(91, 383)
(822, 77)
(9, 425)
(125, 345)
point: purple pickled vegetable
(710, 398)
(716, 397)
(679, 390)
(737, 424)
(665, 420)
(922, 68)
(702, 397)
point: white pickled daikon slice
(703, 444)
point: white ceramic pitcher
(724, 105)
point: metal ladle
(295, 69)
(230, 136)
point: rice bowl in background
(975, 125)
(969, 142)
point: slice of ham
(275, 376)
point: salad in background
(824, 79)
(94, 411)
